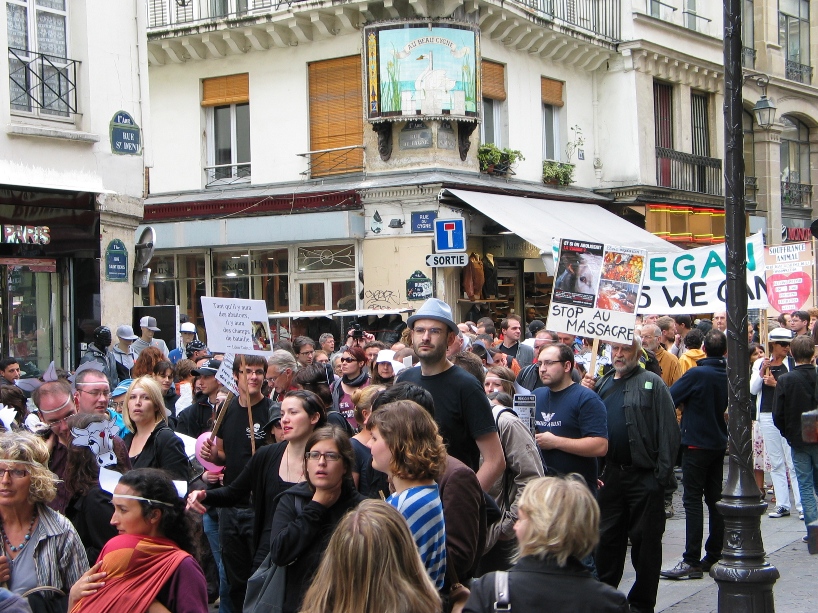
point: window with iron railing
(793, 36)
(748, 53)
(228, 145)
(693, 20)
(796, 188)
(42, 80)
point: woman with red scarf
(148, 563)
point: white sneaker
(779, 512)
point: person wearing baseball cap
(187, 330)
(149, 329)
(765, 373)
(200, 416)
(462, 410)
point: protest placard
(695, 281)
(225, 374)
(237, 325)
(790, 271)
(596, 290)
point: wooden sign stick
(222, 412)
(592, 366)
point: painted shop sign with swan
(424, 69)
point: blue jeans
(211, 530)
(805, 462)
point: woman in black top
(163, 373)
(271, 471)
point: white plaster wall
(107, 38)
(621, 127)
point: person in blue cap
(119, 399)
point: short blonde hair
(563, 518)
(151, 387)
(31, 450)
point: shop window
(227, 111)
(231, 274)
(177, 280)
(336, 116)
(494, 95)
(42, 80)
(327, 257)
(270, 278)
(552, 100)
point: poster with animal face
(416, 70)
(596, 290)
(790, 272)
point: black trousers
(631, 504)
(702, 473)
(236, 534)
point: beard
(431, 354)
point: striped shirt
(423, 510)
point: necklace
(26, 539)
(301, 474)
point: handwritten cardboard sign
(237, 325)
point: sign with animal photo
(790, 272)
(237, 325)
(596, 290)
(420, 69)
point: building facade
(71, 173)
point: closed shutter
(551, 92)
(663, 114)
(494, 80)
(700, 123)
(336, 115)
(232, 89)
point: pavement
(794, 592)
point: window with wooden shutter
(231, 89)
(494, 80)
(336, 115)
(551, 92)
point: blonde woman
(152, 444)
(371, 542)
(363, 398)
(557, 526)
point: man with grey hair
(643, 439)
(281, 369)
(327, 343)
(652, 341)
(720, 321)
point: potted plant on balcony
(562, 173)
(496, 161)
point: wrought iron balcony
(748, 57)
(226, 174)
(750, 190)
(798, 72)
(42, 84)
(335, 161)
(687, 172)
(601, 17)
(796, 195)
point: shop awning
(377, 312)
(301, 314)
(540, 221)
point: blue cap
(121, 388)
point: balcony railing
(686, 172)
(798, 72)
(226, 174)
(796, 195)
(601, 17)
(336, 161)
(695, 22)
(748, 57)
(42, 84)
(660, 10)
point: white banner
(695, 281)
(237, 325)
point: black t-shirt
(462, 410)
(362, 458)
(509, 351)
(613, 395)
(575, 412)
(235, 435)
(768, 391)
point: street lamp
(744, 578)
(764, 110)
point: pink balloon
(207, 464)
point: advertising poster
(695, 281)
(413, 69)
(790, 271)
(596, 290)
(237, 325)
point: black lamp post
(745, 580)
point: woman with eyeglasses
(151, 443)
(308, 513)
(272, 470)
(39, 548)
(353, 376)
(149, 565)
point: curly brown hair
(29, 449)
(413, 438)
(148, 358)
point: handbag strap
(502, 597)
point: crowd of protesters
(398, 477)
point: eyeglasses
(550, 363)
(15, 473)
(329, 456)
(96, 393)
(257, 373)
(57, 422)
(117, 405)
(431, 331)
(347, 360)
